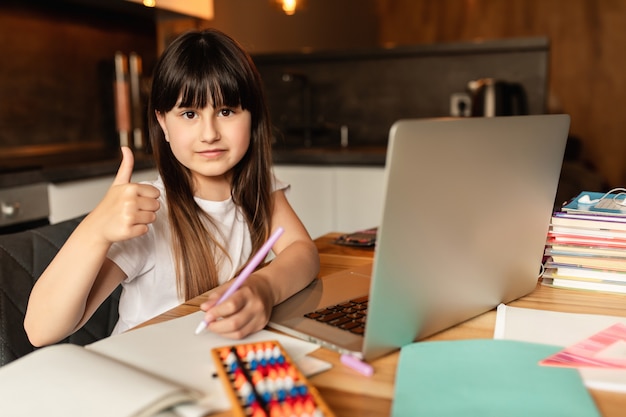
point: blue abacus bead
(253, 364)
(266, 396)
(302, 389)
(281, 395)
(249, 399)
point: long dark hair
(202, 68)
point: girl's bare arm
(80, 277)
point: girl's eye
(189, 114)
(226, 112)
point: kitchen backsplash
(56, 77)
(359, 94)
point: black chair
(23, 258)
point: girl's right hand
(127, 208)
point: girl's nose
(210, 131)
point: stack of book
(586, 244)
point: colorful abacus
(262, 381)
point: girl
(191, 230)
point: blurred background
(339, 69)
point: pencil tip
(201, 326)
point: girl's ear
(161, 119)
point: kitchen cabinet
(358, 198)
(74, 198)
(326, 198)
(310, 195)
(334, 198)
(202, 9)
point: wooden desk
(350, 394)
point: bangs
(205, 90)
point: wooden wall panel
(588, 38)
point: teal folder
(486, 377)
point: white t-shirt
(148, 262)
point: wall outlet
(460, 105)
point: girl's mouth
(212, 153)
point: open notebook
(466, 211)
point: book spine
(564, 272)
(592, 286)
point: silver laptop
(466, 210)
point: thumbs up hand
(127, 208)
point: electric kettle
(491, 97)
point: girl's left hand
(246, 311)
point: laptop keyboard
(349, 315)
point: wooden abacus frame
(238, 409)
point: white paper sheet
(172, 349)
(560, 329)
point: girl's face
(209, 142)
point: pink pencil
(254, 262)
